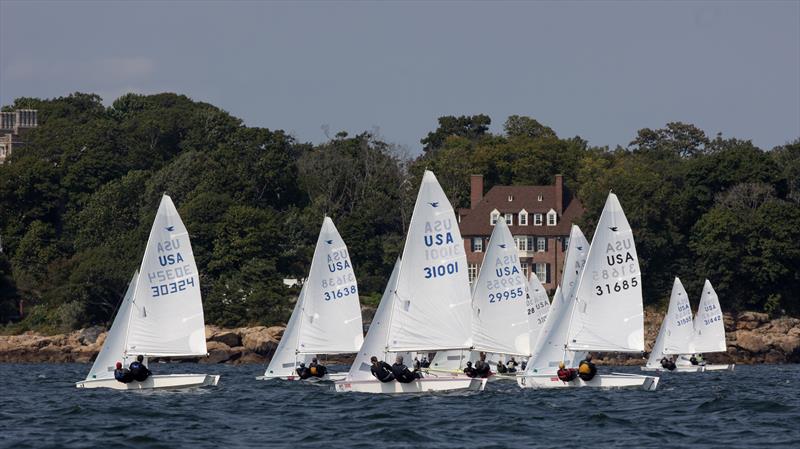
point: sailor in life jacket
(586, 369)
(511, 366)
(381, 370)
(139, 372)
(470, 371)
(303, 372)
(316, 369)
(667, 364)
(425, 363)
(566, 374)
(482, 368)
(401, 372)
(123, 374)
(501, 369)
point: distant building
(539, 217)
(13, 126)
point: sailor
(138, 370)
(700, 359)
(501, 369)
(401, 372)
(417, 364)
(425, 363)
(381, 370)
(667, 364)
(693, 359)
(511, 366)
(302, 371)
(566, 374)
(316, 369)
(523, 365)
(470, 371)
(482, 368)
(123, 374)
(586, 369)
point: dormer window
(493, 217)
(510, 198)
(551, 218)
(510, 219)
(537, 219)
(522, 220)
(539, 198)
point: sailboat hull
(333, 377)
(678, 369)
(165, 381)
(425, 385)
(614, 380)
(729, 367)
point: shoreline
(752, 338)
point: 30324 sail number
(606, 289)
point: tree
(469, 127)
(521, 126)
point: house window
(539, 198)
(521, 242)
(564, 243)
(477, 245)
(551, 218)
(542, 272)
(523, 218)
(524, 266)
(509, 219)
(472, 271)
(537, 219)
(541, 244)
(494, 217)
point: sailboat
(426, 304)
(161, 314)
(675, 335)
(327, 315)
(709, 330)
(607, 309)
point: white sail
(431, 307)
(500, 322)
(538, 306)
(709, 327)
(550, 348)
(378, 333)
(286, 359)
(451, 360)
(675, 335)
(114, 346)
(167, 311)
(331, 314)
(609, 315)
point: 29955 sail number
(618, 286)
(507, 295)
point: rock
(219, 352)
(750, 341)
(230, 338)
(261, 340)
(788, 344)
(746, 325)
(89, 335)
(753, 316)
(249, 357)
(774, 356)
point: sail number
(340, 293)
(708, 321)
(507, 295)
(684, 320)
(172, 287)
(617, 272)
(536, 307)
(617, 287)
(348, 278)
(440, 270)
(504, 282)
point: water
(756, 406)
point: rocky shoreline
(752, 338)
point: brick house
(13, 125)
(539, 217)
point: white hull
(678, 369)
(614, 380)
(428, 384)
(333, 377)
(161, 381)
(729, 367)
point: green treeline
(77, 203)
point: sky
(600, 70)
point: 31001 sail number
(618, 286)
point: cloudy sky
(600, 70)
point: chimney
(476, 190)
(560, 194)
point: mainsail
(675, 335)
(114, 346)
(431, 305)
(500, 322)
(285, 360)
(167, 311)
(537, 308)
(709, 326)
(609, 315)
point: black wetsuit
(303, 372)
(139, 372)
(592, 371)
(320, 370)
(382, 372)
(123, 375)
(403, 375)
(512, 366)
(667, 364)
(425, 363)
(501, 369)
(470, 372)
(482, 369)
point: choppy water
(756, 406)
